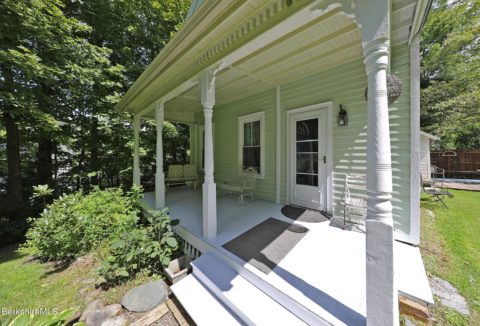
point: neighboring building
(276, 80)
(425, 145)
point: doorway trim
(328, 106)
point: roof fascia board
(421, 13)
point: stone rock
(431, 213)
(449, 295)
(145, 297)
(90, 308)
(97, 317)
(116, 321)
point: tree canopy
(450, 75)
(64, 64)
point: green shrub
(77, 223)
(146, 249)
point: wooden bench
(181, 175)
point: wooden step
(248, 302)
(202, 306)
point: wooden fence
(458, 164)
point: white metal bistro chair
(354, 202)
(243, 185)
(437, 171)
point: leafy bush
(145, 249)
(77, 223)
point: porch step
(252, 305)
(202, 306)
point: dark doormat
(267, 243)
(303, 214)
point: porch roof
(325, 271)
(254, 45)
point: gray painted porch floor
(325, 270)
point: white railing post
(207, 85)
(136, 145)
(159, 174)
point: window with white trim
(251, 130)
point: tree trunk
(44, 161)
(14, 181)
(94, 165)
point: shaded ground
(450, 248)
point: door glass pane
(310, 146)
(307, 163)
(307, 179)
(307, 129)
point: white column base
(159, 190)
(209, 210)
(380, 272)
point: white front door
(308, 133)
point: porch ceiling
(330, 40)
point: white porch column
(382, 294)
(159, 175)
(136, 144)
(207, 85)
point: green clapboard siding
(344, 85)
(226, 140)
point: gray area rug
(267, 243)
(303, 214)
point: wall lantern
(394, 89)
(342, 119)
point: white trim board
(329, 173)
(414, 236)
(257, 116)
(278, 143)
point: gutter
(421, 14)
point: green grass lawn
(29, 284)
(451, 250)
(32, 285)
